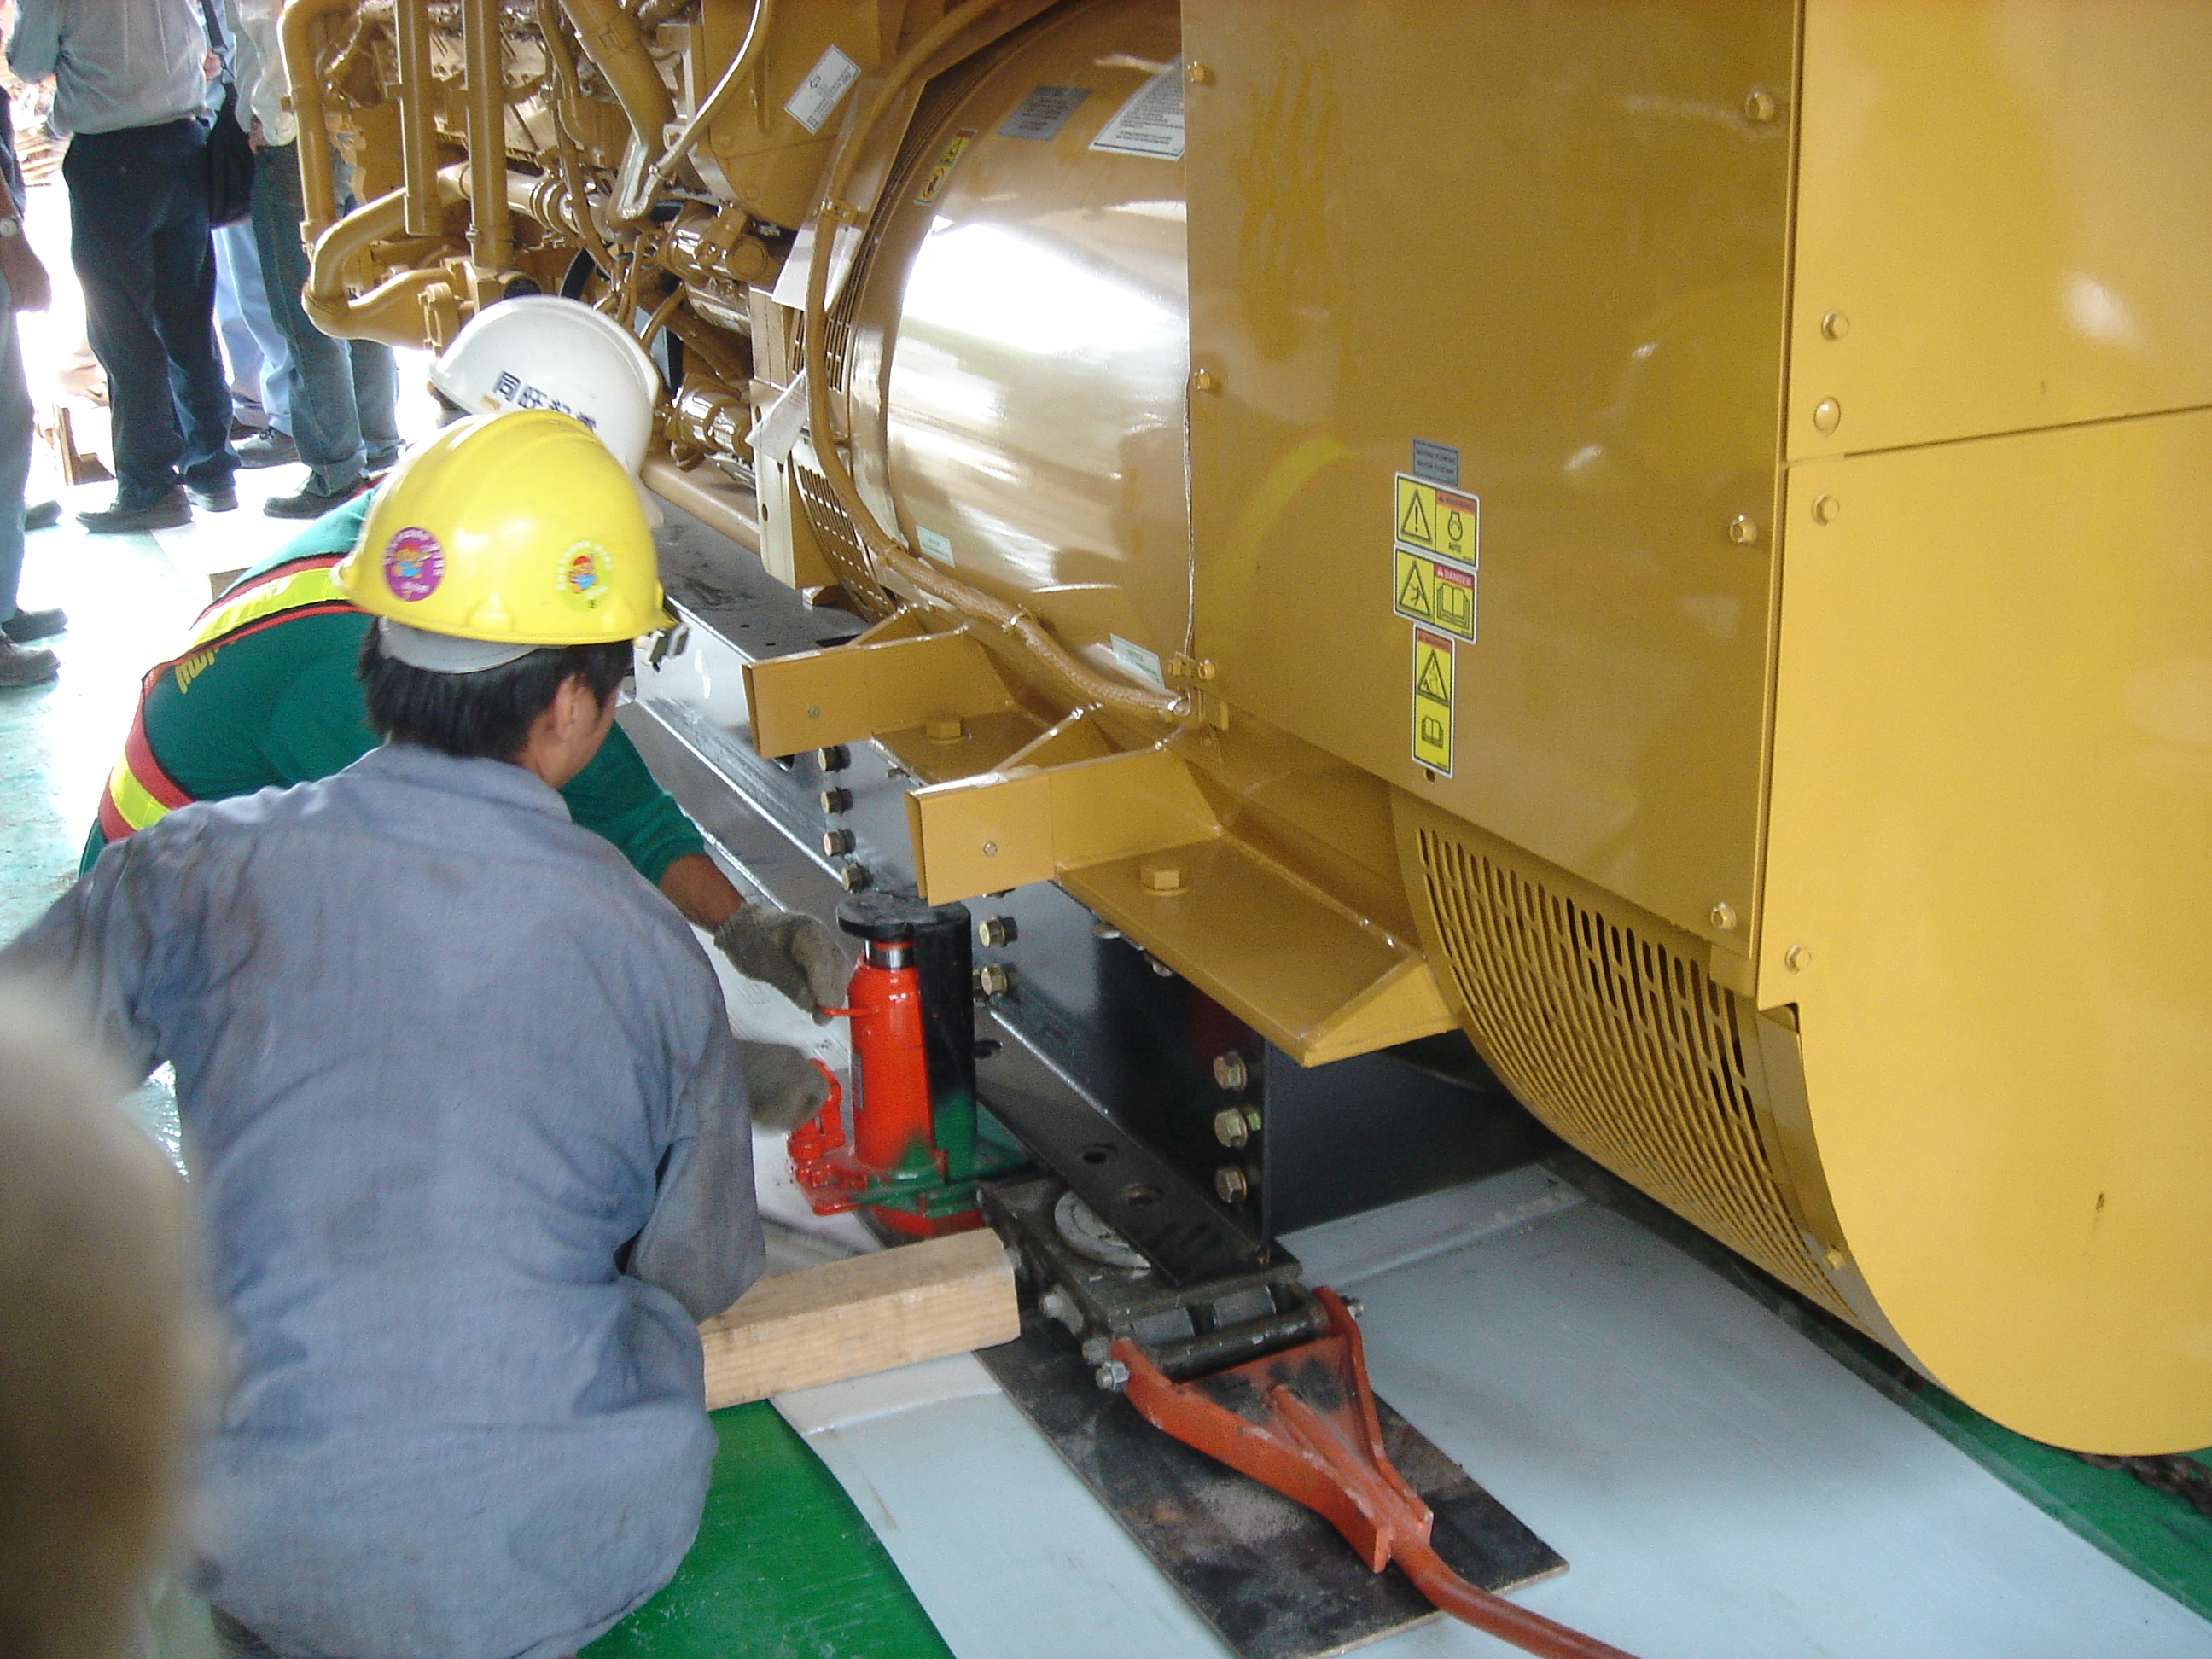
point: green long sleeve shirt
(284, 706)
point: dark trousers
(344, 392)
(139, 241)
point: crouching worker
(461, 1104)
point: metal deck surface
(1724, 1489)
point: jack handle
(1329, 1457)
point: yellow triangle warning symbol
(1433, 682)
(1413, 593)
(1414, 525)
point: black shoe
(311, 503)
(22, 666)
(267, 448)
(220, 499)
(42, 516)
(27, 625)
(162, 513)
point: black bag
(229, 153)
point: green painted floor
(785, 1566)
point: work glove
(794, 953)
(783, 1086)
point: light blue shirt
(116, 64)
(463, 1114)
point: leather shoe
(23, 666)
(311, 503)
(269, 447)
(220, 499)
(162, 513)
(42, 516)
(27, 625)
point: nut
(1160, 877)
(854, 876)
(945, 728)
(835, 843)
(835, 801)
(835, 758)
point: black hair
(487, 715)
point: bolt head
(1797, 958)
(1760, 107)
(836, 800)
(945, 728)
(1827, 415)
(1113, 1377)
(854, 876)
(1743, 530)
(1825, 509)
(1203, 380)
(1229, 1072)
(1230, 1128)
(1835, 325)
(1160, 877)
(1724, 916)
(1200, 75)
(1231, 1184)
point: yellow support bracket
(851, 693)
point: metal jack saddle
(1303, 1421)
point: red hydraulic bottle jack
(910, 1155)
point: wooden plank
(849, 1319)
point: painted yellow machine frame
(1698, 523)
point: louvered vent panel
(1628, 1051)
(840, 543)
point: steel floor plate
(1273, 1579)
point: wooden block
(849, 1319)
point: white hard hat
(543, 352)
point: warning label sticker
(1433, 677)
(932, 182)
(1438, 592)
(825, 85)
(1151, 123)
(1438, 521)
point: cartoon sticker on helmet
(414, 564)
(586, 573)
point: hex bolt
(835, 758)
(1835, 325)
(1200, 75)
(1797, 958)
(1231, 1184)
(1826, 509)
(1204, 380)
(995, 933)
(835, 843)
(854, 876)
(1113, 1377)
(835, 801)
(1229, 1071)
(1743, 530)
(1724, 916)
(1760, 107)
(994, 980)
(1230, 1128)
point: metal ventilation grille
(840, 543)
(1631, 1053)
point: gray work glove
(794, 953)
(785, 1088)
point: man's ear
(575, 709)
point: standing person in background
(344, 394)
(130, 81)
(25, 288)
(260, 356)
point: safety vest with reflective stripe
(138, 791)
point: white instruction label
(1145, 664)
(825, 84)
(1151, 123)
(938, 548)
(779, 429)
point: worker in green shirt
(264, 694)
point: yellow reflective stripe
(132, 800)
(317, 586)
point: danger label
(1433, 688)
(1437, 520)
(1438, 592)
(933, 183)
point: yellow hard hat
(515, 530)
